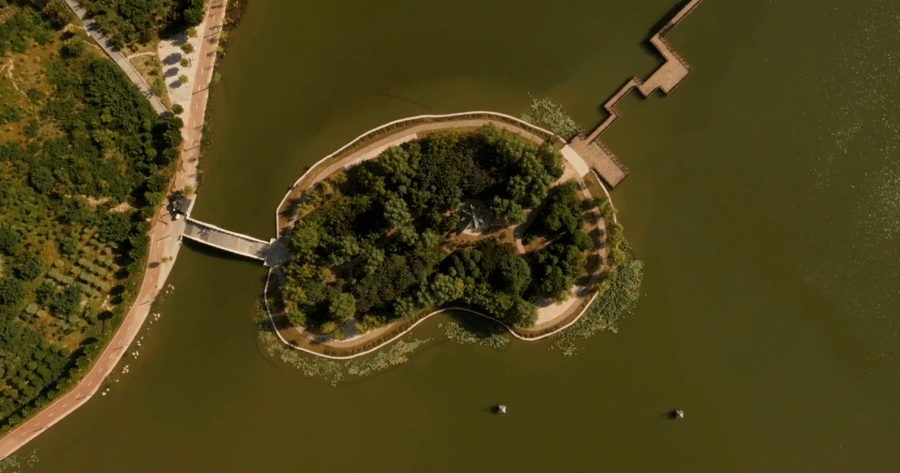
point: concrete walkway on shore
(113, 52)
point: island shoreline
(369, 145)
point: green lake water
(764, 198)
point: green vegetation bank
(84, 162)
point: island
(478, 211)
(450, 217)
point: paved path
(113, 52)
(164, 246)
(666, 78)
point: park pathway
(113, 52)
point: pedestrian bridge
(272, 253)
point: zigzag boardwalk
(666, 78)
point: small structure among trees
(475, 217)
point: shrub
(188, 48)
(193, 14)
(11, 291)
(32, 266)
(10, 240)
(58, 13)
(68, 246)
(177, 109)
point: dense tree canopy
(562, 261)
(139, 21)
(382, 232)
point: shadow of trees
(480, 327)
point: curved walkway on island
(370, 145)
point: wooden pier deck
(666, 78)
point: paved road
(94, 31)
(165, 242)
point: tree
(562, 212)
(514, 273)
(187, 48)
(395, 211)
(11, 292)
(115, 227)
(305, 239)
(183, 79)
(46, 294)
(430, 239)
(73, 47)
(347, 247)
(582, 240)
(374, 257)
(555, 283)
(405, 307)
(522, 313)
(446, 288)
(58, 13)
(67, 302)
(193, 14)
(42, 179)
(395, 165)
(31, 267)
(342, 307)
(177, 109)
(10, 241)
(408, 236)
(509, 209)
(68, 246)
